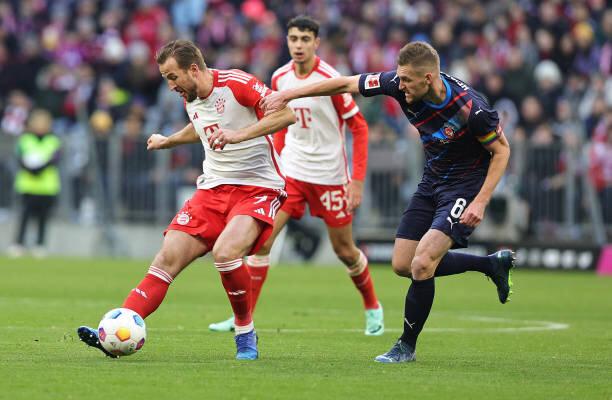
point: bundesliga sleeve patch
(372, 81)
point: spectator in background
(37, 181)
(138, 189)
(16, 113)
(601, 166)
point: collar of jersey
(446, 99)
(314, 68)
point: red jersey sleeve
(347, 110)
(249, 94)
(345, 105)
(359, 128)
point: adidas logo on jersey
(140, 292)
(195, 116)
(341, 214)
(237, 293)
(260, 211)
(260, 88)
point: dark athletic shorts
(439, 205)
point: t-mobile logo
(303, 115)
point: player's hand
(354, 193)
(273, 102)
(221, 137)
(473, 214)
(157, 142)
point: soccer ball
(122, 332)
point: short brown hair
(185, 52)
(419, 54)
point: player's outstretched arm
(500, 150)
(327, 87)
(184, 136)
(268, 124)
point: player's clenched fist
(156, 142)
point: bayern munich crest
(220, 105)
(183, 218)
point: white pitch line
(530, 326)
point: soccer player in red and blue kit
(466, 156)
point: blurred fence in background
(546, 195)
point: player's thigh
(430, 250)
(178, 250)
(237, 238)
(341, 238)
(280, 221)
(403, 253)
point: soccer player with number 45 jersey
(232, 211)
(314, 160)
(466, 155)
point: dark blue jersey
(453, 132)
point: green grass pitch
(552, 341)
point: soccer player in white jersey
(232, 211)
(315, 163)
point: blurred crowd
(545, 65)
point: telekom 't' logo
(210, 129)
(303, 115)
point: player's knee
(165, 261)
(347, 253)
(422, 267)
(401, 269)
(224, 253)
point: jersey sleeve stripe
(350, 113)
(233, 78)
(236, 72)
(328, 70)
(282, 70)
(325, 74)
(243, 76)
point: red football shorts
(209, 210)
(325, 201)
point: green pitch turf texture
(553, 341)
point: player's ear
(193, 70)
(317, 42)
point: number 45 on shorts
(332, 200)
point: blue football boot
(246, 346)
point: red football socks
(150, 292)
(258, 268)
(236, 280)
(360, 275)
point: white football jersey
(315, 145)
(234, 104)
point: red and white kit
(243, 178)
(313, 149)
